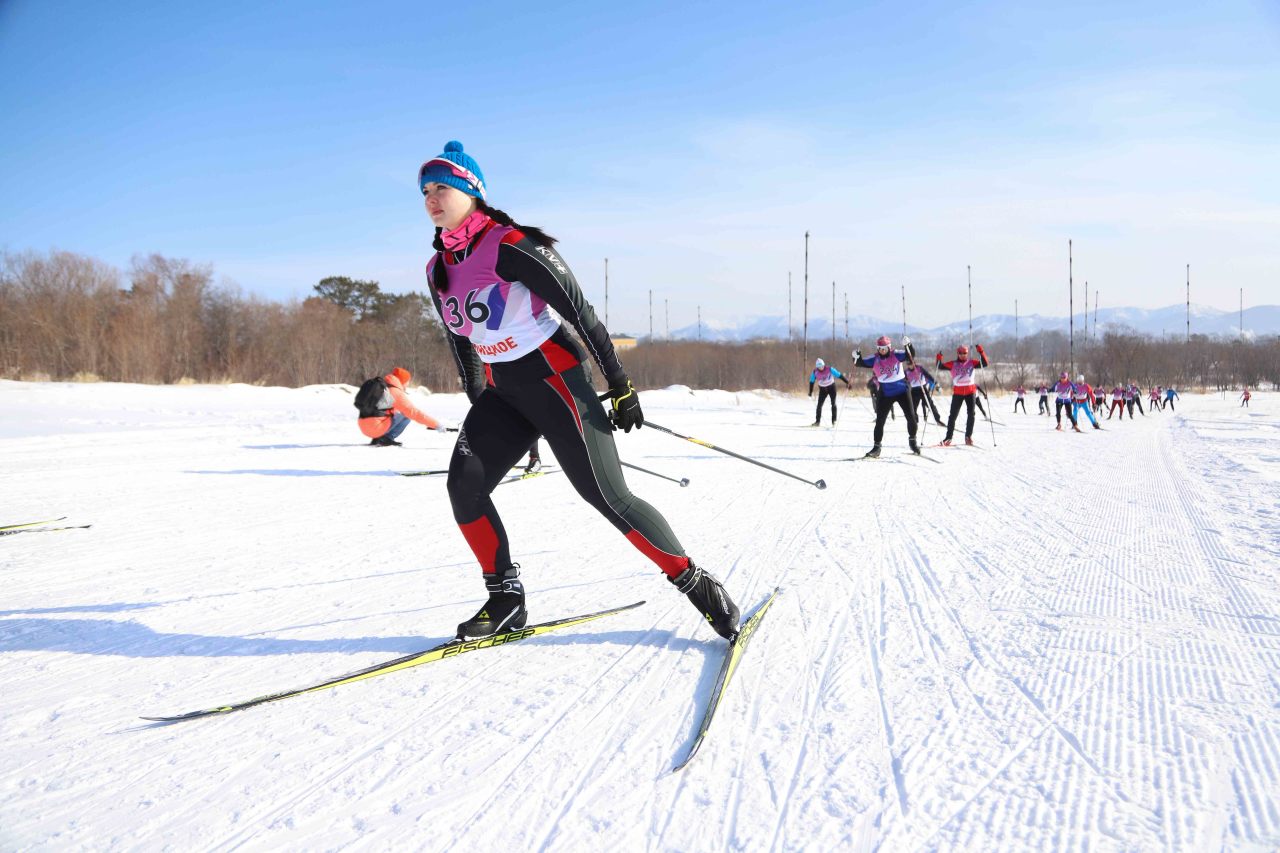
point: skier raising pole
(501, 291)
(886, 365)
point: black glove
(810, 389)
(625, 410)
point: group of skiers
(898, 381)
(1079, 396)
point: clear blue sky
(692, 144)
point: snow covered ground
(1063, 642)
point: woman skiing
(1082, 396)
(922, 385)
(963, 384)
(886, 367)
(1062, 391)
(1020, 400)
(502, 292)
(825, 376)
(1043, 391)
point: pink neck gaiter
(458, 238)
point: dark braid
(537, 235)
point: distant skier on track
(1244, 399)
(1083, 398)
(1117, 402)
(1020, 399)
(1169, 396)
(963, 386)
(1043, 391)
(1062, 391)
(888, 370)
(501, 291)
(825, 376)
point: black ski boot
(915, 448)
(504, 611)
(873, 453)
(708, 595)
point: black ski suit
(532, 382)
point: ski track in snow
(1060, 642)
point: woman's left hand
(625, 401)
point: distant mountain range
(1259, 320)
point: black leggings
(958, 400)
(823, 394)
(884, 404)
(1071, 412)
(564, 410)
(925, 399)
(1020, 402)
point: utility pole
(805, 360)
(833, 315)
(1086, 313)
(1015, 332)
(606, 293)
(1071, 309)
(666, 313)
(1188, 303)
(846, 316)
(650, 315)
(1242, 313)
(790, 326)
(969, 275)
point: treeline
(64, 316)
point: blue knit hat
(455, 169)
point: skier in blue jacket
(825, 376)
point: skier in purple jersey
(888, 370)
(506, 297)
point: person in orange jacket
(386, 427)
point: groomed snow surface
(1063, 642)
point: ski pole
(683, 481)
(821, 484)
(992, 422)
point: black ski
(731, 659)
(449, 649)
